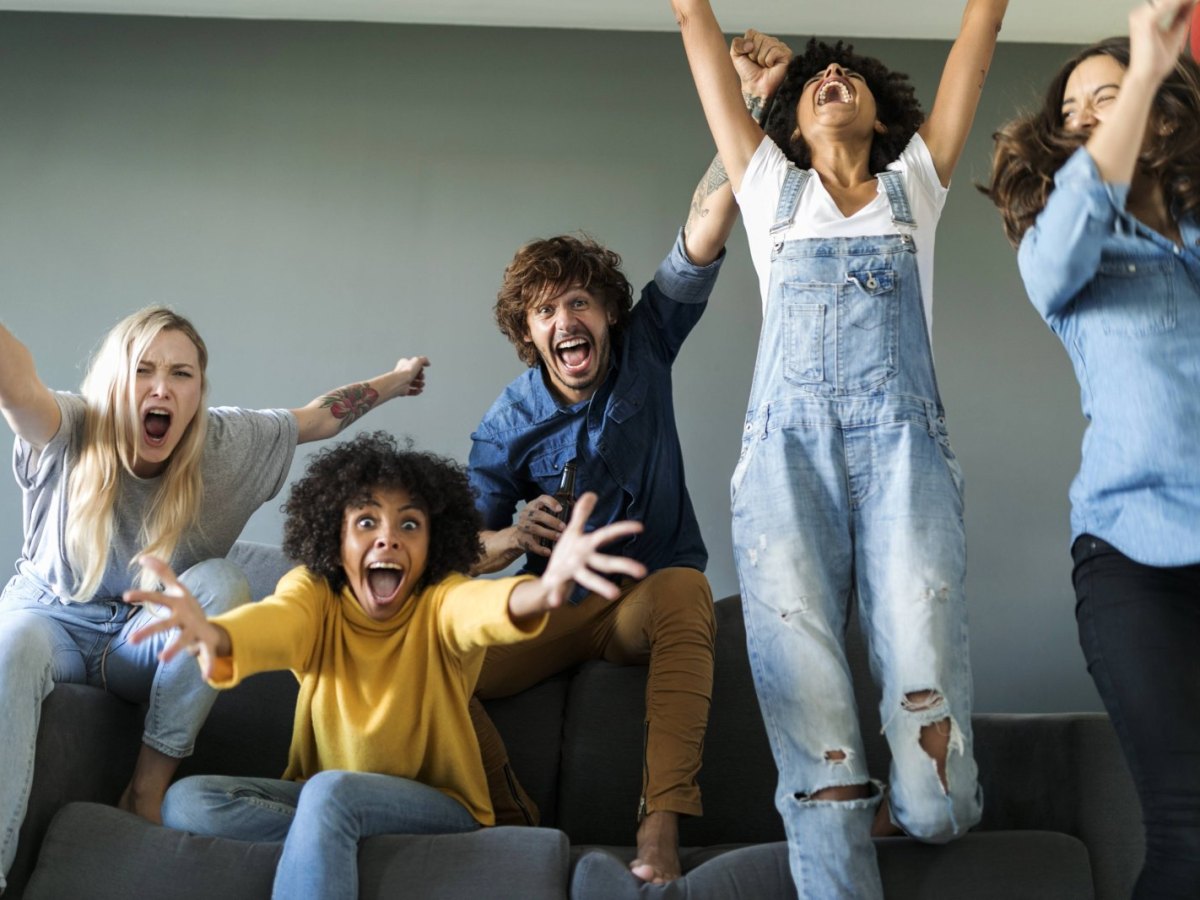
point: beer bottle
(565, 495)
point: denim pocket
(947, 453)
(21, 593)
(546, 470)
(803, 342)
(842, 338)
(1131, 297)
(868, 329)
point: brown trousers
(666, 620)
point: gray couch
(1060, 817)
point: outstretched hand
(761, 62)
(411, 369)
(577, 560)
(196, 636)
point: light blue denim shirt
(623, 439)
(1125, 301)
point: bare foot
(149, 808)
(658, 848)
(151, 777)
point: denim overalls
(847, 484)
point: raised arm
(760, 62)
(330, 413)
(27, 404)
(1157, 35)
(945, 131)
(735, 133)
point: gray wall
(323, 198)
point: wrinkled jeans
(44, 642)
(320, 821)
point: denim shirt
(623, 439)
(1125, 301)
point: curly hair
(344, 474)
(895, 100)
(1032, 148)
(555, 264)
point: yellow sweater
(387, 697)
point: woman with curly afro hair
(846, 485)
(386, 634)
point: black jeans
(1139, 627)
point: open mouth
(574, 354)
(384, 581)
(834, 90)
(155, 424)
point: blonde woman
(134, 464)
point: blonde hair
(110, 428)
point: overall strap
(902, 217)
(789, 198)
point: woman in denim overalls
(846, 482)
(1110, 256)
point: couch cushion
(103, 853)
(530, 863)
(1032, 865)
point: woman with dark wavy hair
(846, 485)
(1100, 188)
(386, 635)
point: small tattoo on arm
(350, 403)
(756, 106)
(712, 180)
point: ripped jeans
(865, 503)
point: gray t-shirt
(247, 455)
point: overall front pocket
(842, 336)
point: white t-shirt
(817, 216)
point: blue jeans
(320, 821)
(44, 642)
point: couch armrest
(1063, 772)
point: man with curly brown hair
(598, 393)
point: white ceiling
(1062, 21)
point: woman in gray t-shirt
(134, 464)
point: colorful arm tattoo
(350, 403)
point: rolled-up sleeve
(678, 294)
(1061, 252)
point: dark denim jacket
(623, 439)
(1125, 301)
